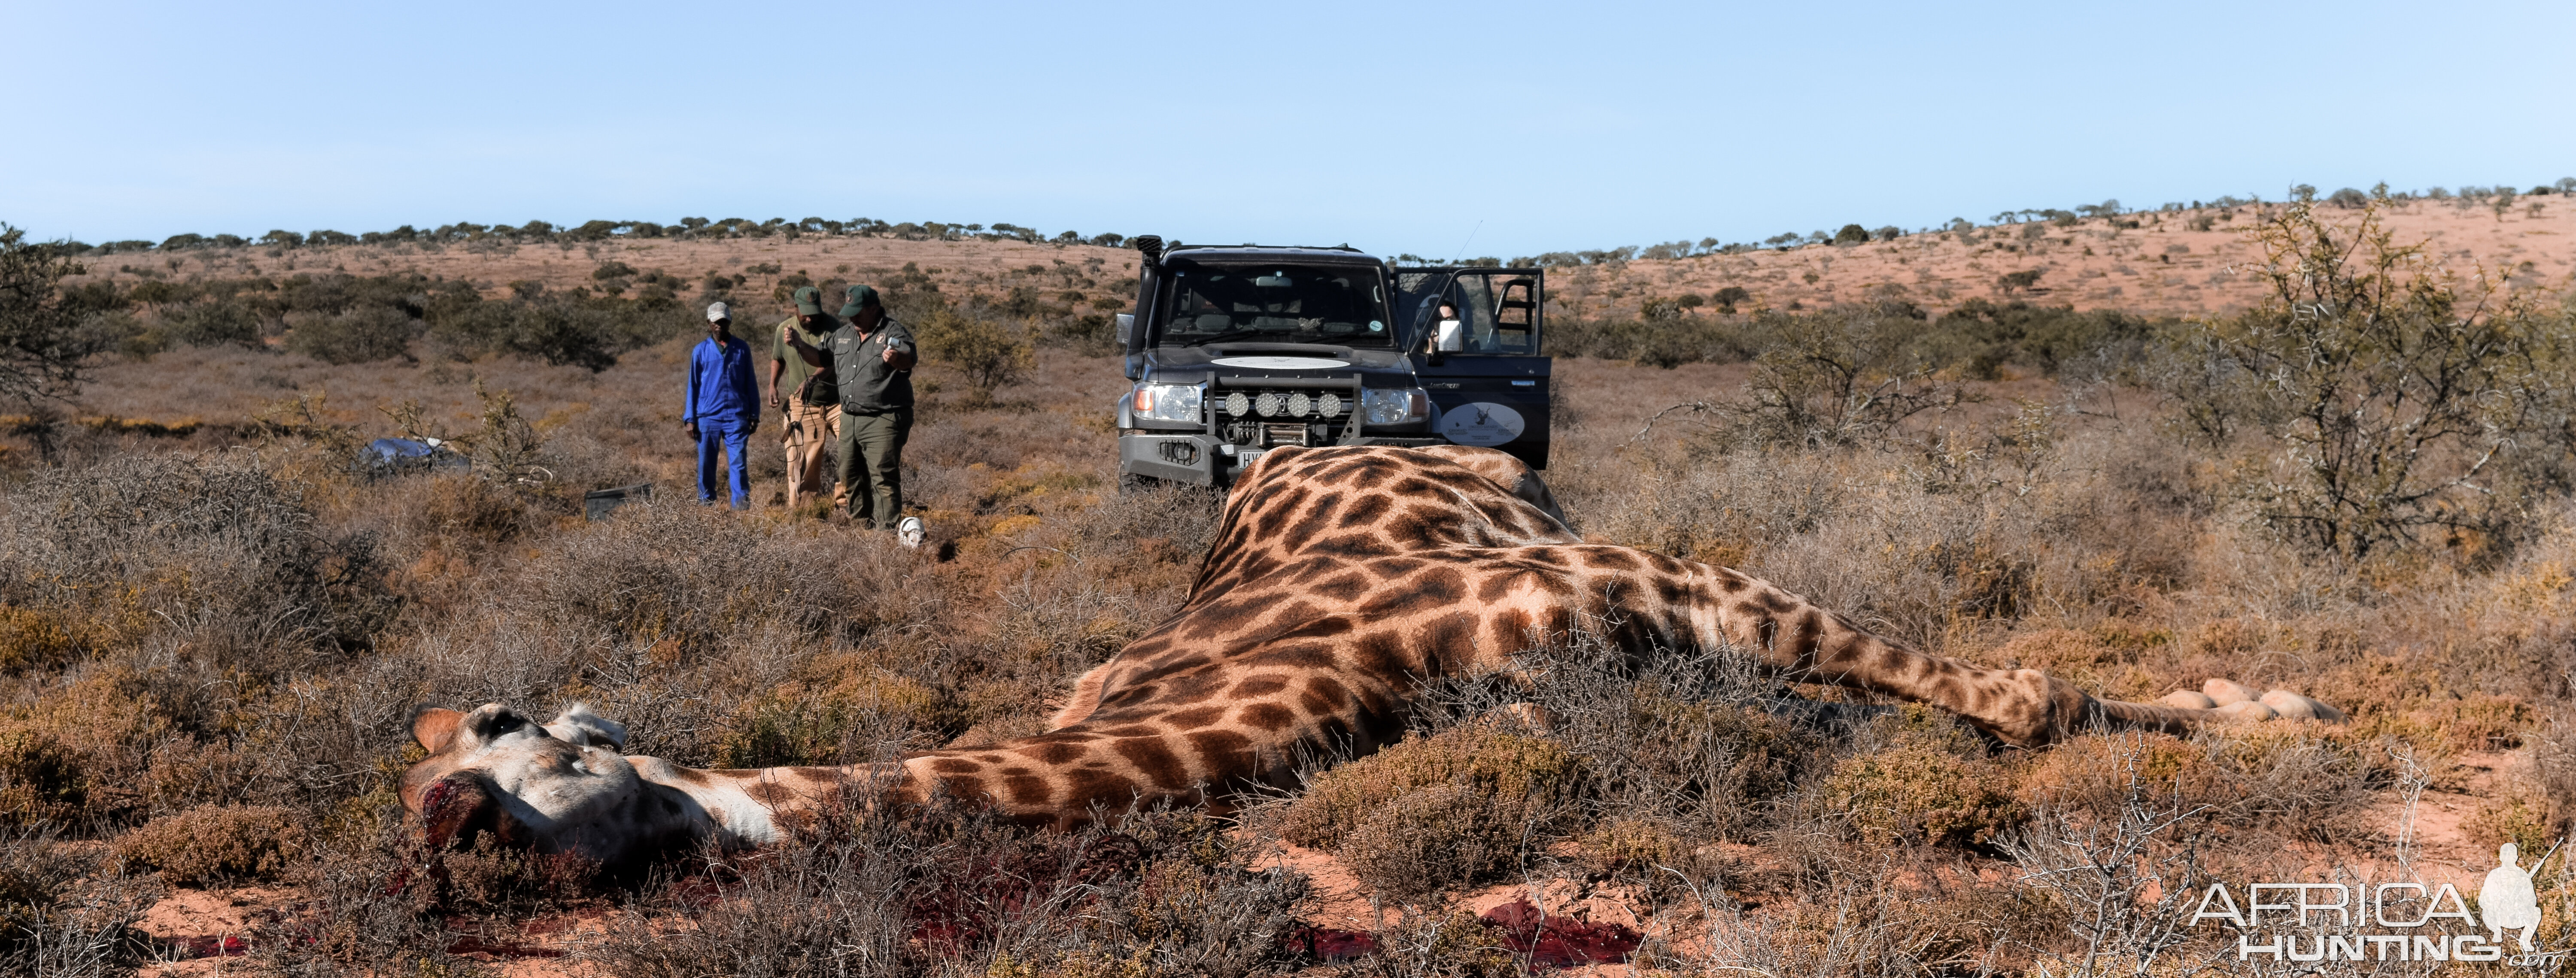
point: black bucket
(598, 503)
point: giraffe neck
(747, 807)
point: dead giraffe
(1341, 579)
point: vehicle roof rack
(1248, 244)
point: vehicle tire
(1131, 484)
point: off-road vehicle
(1239, 349)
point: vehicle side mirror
(1126, 330)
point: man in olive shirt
(871, 358)
(813, 420)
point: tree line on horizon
(2500, 196)
(544, 232)
(698, 228)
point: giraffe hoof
(2188, 700)
(2292, 706)
(2244, 711)
(2223, 693)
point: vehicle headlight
(1166, 402)
(1402, 405)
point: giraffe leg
(1802, 642)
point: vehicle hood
(1199, 364)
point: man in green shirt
(871, 358)
(813, 419)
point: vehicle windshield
(1338, 305)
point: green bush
(216, 323)
(362, 335)
(123, 333)
(1980, 336)
(990, 353)
(2410, 405)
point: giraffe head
(559, 787)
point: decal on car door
(1481, 423)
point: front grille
(1265, 412)
(1285, 405)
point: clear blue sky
(1393, 127)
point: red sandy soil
(2162, 267)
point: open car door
(1486, 373)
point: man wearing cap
(724, 406)
(871, 358)
(805, 393)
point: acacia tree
(42, 347)
(2408, 401)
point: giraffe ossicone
(1339, 581)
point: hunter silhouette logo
(2508, 899)
(2388, 921)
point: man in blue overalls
(724, 406)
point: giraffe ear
(435, 728)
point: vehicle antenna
(1471, 239)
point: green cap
(861, 297)
(809, 301)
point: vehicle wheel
(1131, 484)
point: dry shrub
(118, 743)
(455, 508)
(839, 706)
(699, 578)
(1440, 837)
(2301, 779)
(212, 551)
(385, 902)
(2517, 817)
(1439, 945)
(41, 780)
(31, 639)
(1488, 758)
(217, 844)
(68, 910)
(951, 891)
(2095, 774)
(1696, 739)
(492, 878)
(1879, 916)
(1648, 851)
(1432, 813)
(1926, 778)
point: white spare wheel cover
(1483, 423)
